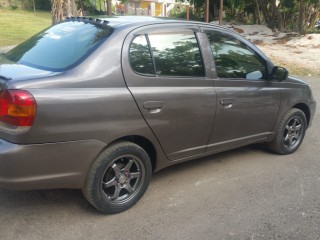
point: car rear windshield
(60, 47)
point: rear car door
(165, 71)
(248, 103)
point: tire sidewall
(290, 115)
(93, 185)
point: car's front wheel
(290, 132)
(118, 178)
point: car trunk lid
(10, 71)
(14, 71)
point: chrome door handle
(227, 102)
(153, 106)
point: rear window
(60, 47)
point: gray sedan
(100, 104)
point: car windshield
(60, 47)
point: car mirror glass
(254, 75)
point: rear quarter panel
(88, 102)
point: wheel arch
(305, 109)
(144, 143)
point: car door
(248, 103)
(165, 71)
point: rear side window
(166, 54)
(140, 56)
(234, 59)
(176, 54)
(61, 46)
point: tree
(301, 18)
(292, 15)
(63, 8)
(271, 14)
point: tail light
(17, 108)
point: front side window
(234, 59)
(176, 54)
(61, 46)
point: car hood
(13, 71)
(295, 80)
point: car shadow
(73, 198)
(210, 160)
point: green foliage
(181, 12)
(283, 16)
(14, 4)
(88, 5)
(42, 4)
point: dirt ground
(298, 59)
(300, 54)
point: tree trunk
(67, 8)
(301, 17)
(277, 15)
(256, 12)
(57, 11)
(81, 7)
(63, 8)
(34, 5)
(314, 17)
(269, 20)
(221, 12)
(207, 5)
(109, 8)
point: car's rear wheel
(118, 178)
(290, 132)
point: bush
(43, 5)
(181, 12)
(13, 4)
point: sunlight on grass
(19, 25)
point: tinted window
(176, 54)
(140, 57)
(234, 59)
(60, 47)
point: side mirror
(279, 73)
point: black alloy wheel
(290, 132)
(118, 178)
(122, 179)
(293, 132)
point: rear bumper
(44, 166)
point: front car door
(165, 72)
(248, 103)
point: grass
(19, 25)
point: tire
(290, 132)
(118, 178)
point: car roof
(137, 21)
